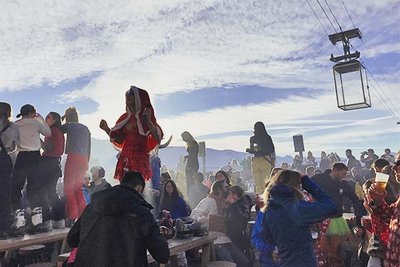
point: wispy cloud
(171, 46)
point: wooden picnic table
(177, 246)
(31, 240)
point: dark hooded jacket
(237, 217)
(337, 190)
(287, 221)
(265, 145)
(115, 229)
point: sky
(212, 68)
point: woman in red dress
(136, 134)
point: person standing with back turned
(117, 228)
(30, 127)
(78, 155)
(263, 162)
(192, 158)
(8, 145)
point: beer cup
(381, 180)
(256, 148)
(314, 234)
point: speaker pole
(204, 166)
(203, 154)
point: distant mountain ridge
(215, 159)
(104, 154)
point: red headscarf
(142, 101)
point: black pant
(5, 192)
(42, 193)
(363, 259)
(230, 252)
(190, 171)
(25, 170)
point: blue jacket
(86, 194)
(263, 246)
(178, 208)
(287, 221)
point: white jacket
(201, 213)
(29, 132)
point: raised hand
(259, 202)
(103, 125)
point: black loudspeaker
(298, 143)
(202, 149)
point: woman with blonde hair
(288, 216)
(77, 148)
(264, 247)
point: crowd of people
(31, 168)
(299, 206)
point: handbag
(216, 223)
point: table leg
(174, 261)
(7, 256)
(208, 253)
(63, 246)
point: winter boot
(37, 220)
(60, 224)
(47, 226)
(18, 226)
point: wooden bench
(32, 240)
(221, 264)
(177, 246)
(31, 254)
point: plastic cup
(381, 180)
(314, 235)
(366, 221)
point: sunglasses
(397, 163)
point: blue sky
(221, 97)
(213, 68)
